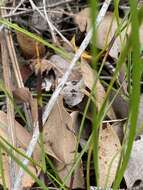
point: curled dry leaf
(134, 171)
(109, 152)
(89, 77)
(60, 140)
(23, 94)
(28, 46)
(23, 139)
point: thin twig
(55, 95)
(16, 68)
(16, 8)
(18, 76)
(23, 11)
(12, 8)
(13, 11)
(53, 27)
(49, 23)
(52, 5)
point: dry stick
(16, 69)
(16, 8)
(55, 95)
(23, 11)
(14, 60)
(49, 23)
(12, 8)
(18, 76)
(52, 5)
(12, 12)
(10, 107)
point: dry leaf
(105, 31)
(23, 139)
(26, 72)
(63, 170)
(89, 79)
(134, 171)
(28, 46)
(72, 92)
(109, 148)
(26, 180)
(60, 139)
(23, 136)
(23, 94)
(82, 19)
(45, 65)
(61, 65)
(119, 129)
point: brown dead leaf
(61, 65)
(109, 148)
(63, 170)
(134, 171)
(28, 46)
(26, 72)
(58, 64)
(89, 79)
(82, 19)
(23, 139)
(72, 89)
(23, 94)
(23, 136)
(59, 138)
(45, 65)
(27, 181)
(105, 31)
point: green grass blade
(135, 94)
